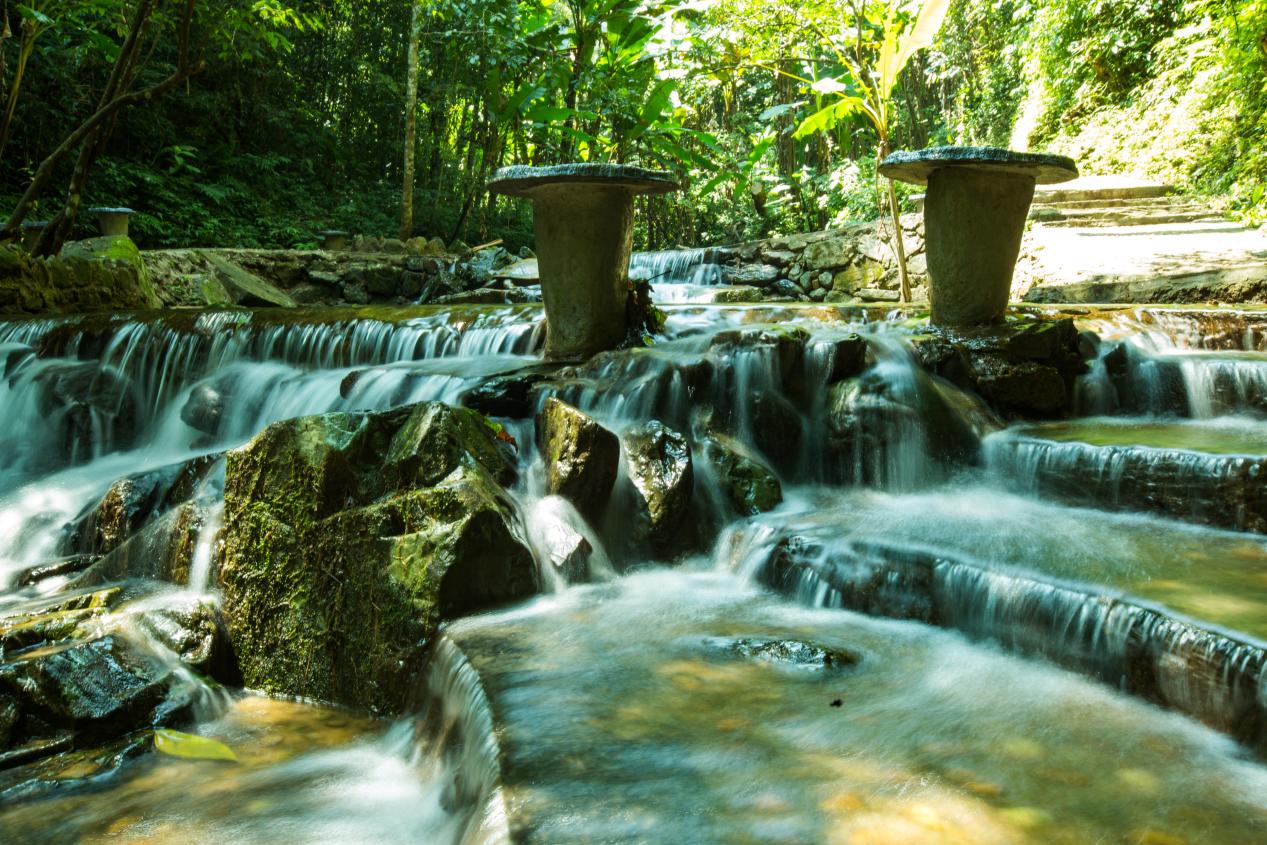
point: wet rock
(349, 537)
(506, 396)
(777, 429)
(13, 356)
(875, 424)
(786, 345)
(658, 461)
(63, 567)
(795, 653)
(97, 689)
(748, 485)
(755, 275)
(204, 409)
(192, 628)
(1020, 388)
(847, 357)
(132, 502)
(163, 550)
(581, 457)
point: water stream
(1027, 634)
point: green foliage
(765, 109)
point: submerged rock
(557, 539)
(877, 426)
(89, 405)
(796, 653)
(204, 409)
(349, 537)
(659, 464)
(581, 457)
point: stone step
(1166, 201)
(1089, 188)
(1122, 216)
(1163, 610)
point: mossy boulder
(350, 537)
(581, 457)
(749, 486)
(95, 275)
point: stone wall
(854, 262)
(393, 273)
(95, 275)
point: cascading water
(691, 705)
(678, 276)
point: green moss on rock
(93, 275)
(349, 537)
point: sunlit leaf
(827, 118)
(191, 746)
(829, 85)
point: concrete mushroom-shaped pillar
(583, 218)
(112, 221)
(974, 217)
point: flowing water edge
(951, 630)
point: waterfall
(677, 276)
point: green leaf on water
(191, 746)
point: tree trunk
(30, 31)
(411, 124)
(93, 133)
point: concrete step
(1088, 188)
(1167, 201)
(1123, 217)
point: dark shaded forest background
(296, 122)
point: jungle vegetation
(259, 122)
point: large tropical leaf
(827, 117)
(921, 35)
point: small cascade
(1216, 677)
(453, 743)
(1131, 378)
(1160, 328)
(567, 550)
(1203, 472)
(680, 266)
(206, 549)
